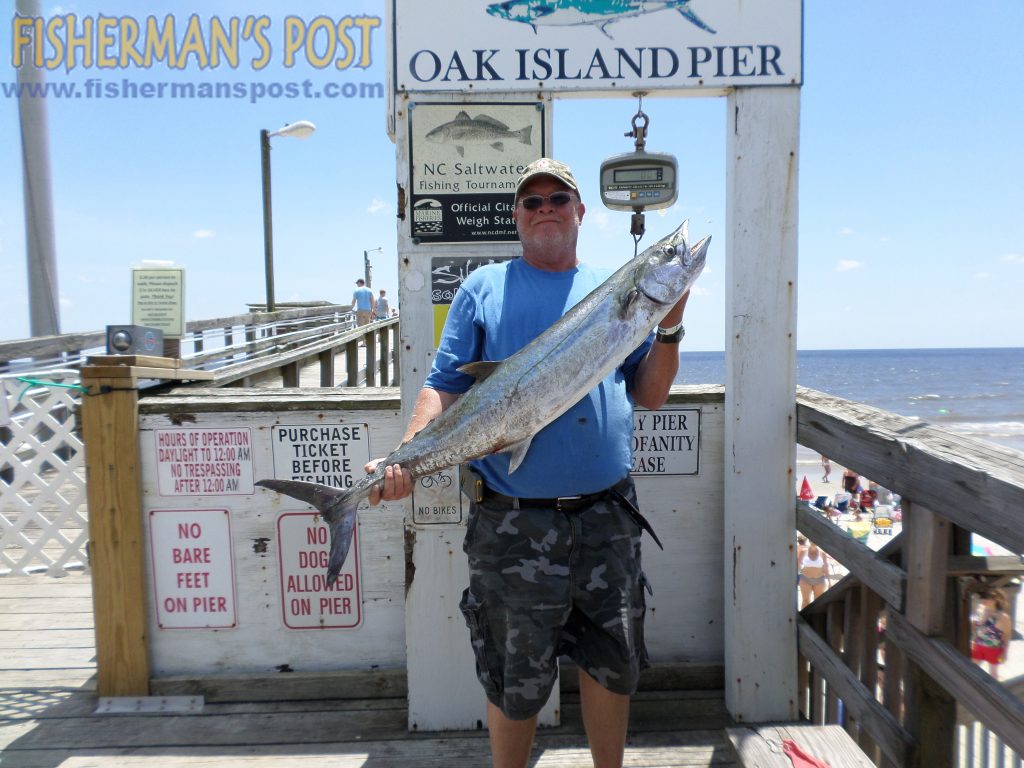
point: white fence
(43, 522)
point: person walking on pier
(382, 310)
(553, 548)
(362, 302)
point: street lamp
(367, 269)
(300, 130)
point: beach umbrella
(805, 490)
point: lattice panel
(43, 513)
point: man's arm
(397, 483)
(657, 370)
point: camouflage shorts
(545, 583)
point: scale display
(639, 180)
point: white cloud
(846, 231)
(202, 234)
(376, 206)
(982, 275)
(1014, 258)
(845, 265)
(883, 239)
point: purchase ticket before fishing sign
(326, 454)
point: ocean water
(976, 392)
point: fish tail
(524, 135)
(694, 18)
(336, 508)
(342, 530)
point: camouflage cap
(545, 166)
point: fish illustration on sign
(599, 13)
(482, 129)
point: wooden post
(371, 358)
(763, 128)
(352, 364)
(385, 353)
(327, 368)
(114, 484)
(930, 711)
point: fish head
(669, 267)
(525, 11)
(438, 135)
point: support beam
(760, 414)
(114, 487)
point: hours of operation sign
(204, 462)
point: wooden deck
(48, 713)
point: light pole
(367, 269)
(300, 130)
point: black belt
(574, 503)
(561, 503)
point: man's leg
(605, 719)
(511, 740)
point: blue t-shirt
(363, 299)
(589, 447)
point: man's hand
(397, 483)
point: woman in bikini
(812, 566)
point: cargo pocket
(475, 614)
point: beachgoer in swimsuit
(813, 572)
(992, 630)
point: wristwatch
(671, 335)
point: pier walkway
(48, 712)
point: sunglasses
(557, 199)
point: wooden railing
(246, 349)
(224, 335)
(897, 691)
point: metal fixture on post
(367, 268)
(300, 130)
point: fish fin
(524, 135)
(480, 370)
(498, 146)
(603, 29)
(337, 510)
(463, 115)
(491, 121)
(517, 452)
(461, 150)
(695, 19)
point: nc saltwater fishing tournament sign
(596, 45)
(464, 162)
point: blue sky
(911, 179)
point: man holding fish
(553, 537)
